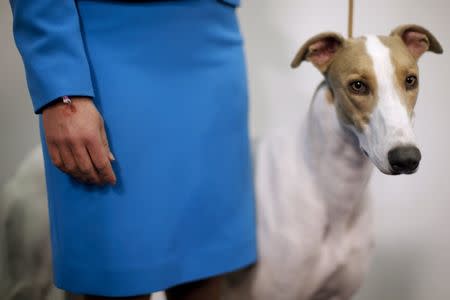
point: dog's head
(374, 81)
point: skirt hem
(153, 280)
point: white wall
(18, 125)
(412, 259)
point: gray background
(412, 258)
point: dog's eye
(411, 82)
(359, 87)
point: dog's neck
(340, 169)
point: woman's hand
(77, 142)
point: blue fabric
(169, 79)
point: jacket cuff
(39, 108)
(45, 93)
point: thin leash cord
(350, 19)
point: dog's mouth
(365, 152)
(395, 172)
(409, 172)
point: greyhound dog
(313, 207)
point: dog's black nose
(404, 159)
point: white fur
(25, 268)
(313, 213)
(390, 125)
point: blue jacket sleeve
(48, 36)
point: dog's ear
(417, 39)
(320, 50)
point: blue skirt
(170, 82)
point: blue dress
(169, 79)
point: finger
(85, 166)
(102, 164)
(70, 164)
(105, 142)
(56, 157)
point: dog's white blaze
(390, 125)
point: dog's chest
(311, 244)
(307, 263)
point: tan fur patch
(353, 62)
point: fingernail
(111, 156)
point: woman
(143, 120)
